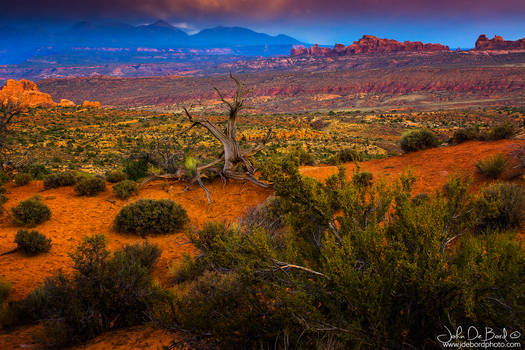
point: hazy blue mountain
(18, 45)
(238, 36)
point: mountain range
(18, 45)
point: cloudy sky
(452, 22)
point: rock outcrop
(368, 44)
(91, 104)
(66, 103)
(497, 43)
(25, 93)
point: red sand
(432, 167)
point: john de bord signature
(473, 334)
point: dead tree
(8, 112)
(234, 162)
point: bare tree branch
(283, 266)
(235, 161)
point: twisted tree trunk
(236, 162)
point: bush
(368, 261)
(148, 216)
(502, 131)
(3, 199)
(416, 140)
(3, 177)
(136, 169)
(22, 179)
(90, 186)
(37, 171)
(420, 199)
(349, 155)
(5, 287)
(105, 291)
(31, 212)
(345, 156)
(115, 176)
(60, 180)
(466, 134)
(500, 207)
(493, 166)
(362, 178)
(197, 307)
(32, 242)
(190, 164)
(144, 254)
(303, 157)
(125, 189)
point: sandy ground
(75, 217)
(432, 167)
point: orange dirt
(75, 217)
(432, 167)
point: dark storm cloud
(245, 10)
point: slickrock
(368, 44)
(66, 103)
(497, 43)
(25, 93)
(91, 104)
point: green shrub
(22, 179)
(125, 189)
(493, 166)
(115, 176)
(500, 207)
(106, 291)
(90, 186)
(150, 216)
(145, 254)
(303, 157)
(37, 171)
(32, 242)
(136, 169)
(5, 287)
(362, 178)
(197, 307)
(344, 156)
(3, 198)
(190, 164)
(3, 177)
(466, 134)
(349, 155)
(31, 212)
(368, 261)
(416, 140)
(67, 178)
(420, 198)
(502, 131)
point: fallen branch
(9, 252)
(283, 266)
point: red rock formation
(497, 43)
(368, 44)
(66, 103)
(91, 104)
(26, 93)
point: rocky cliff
(25, 93)
(497, 43)
(368, 44)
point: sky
(456, 23)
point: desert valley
(230, 189)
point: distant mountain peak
(162, 24)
